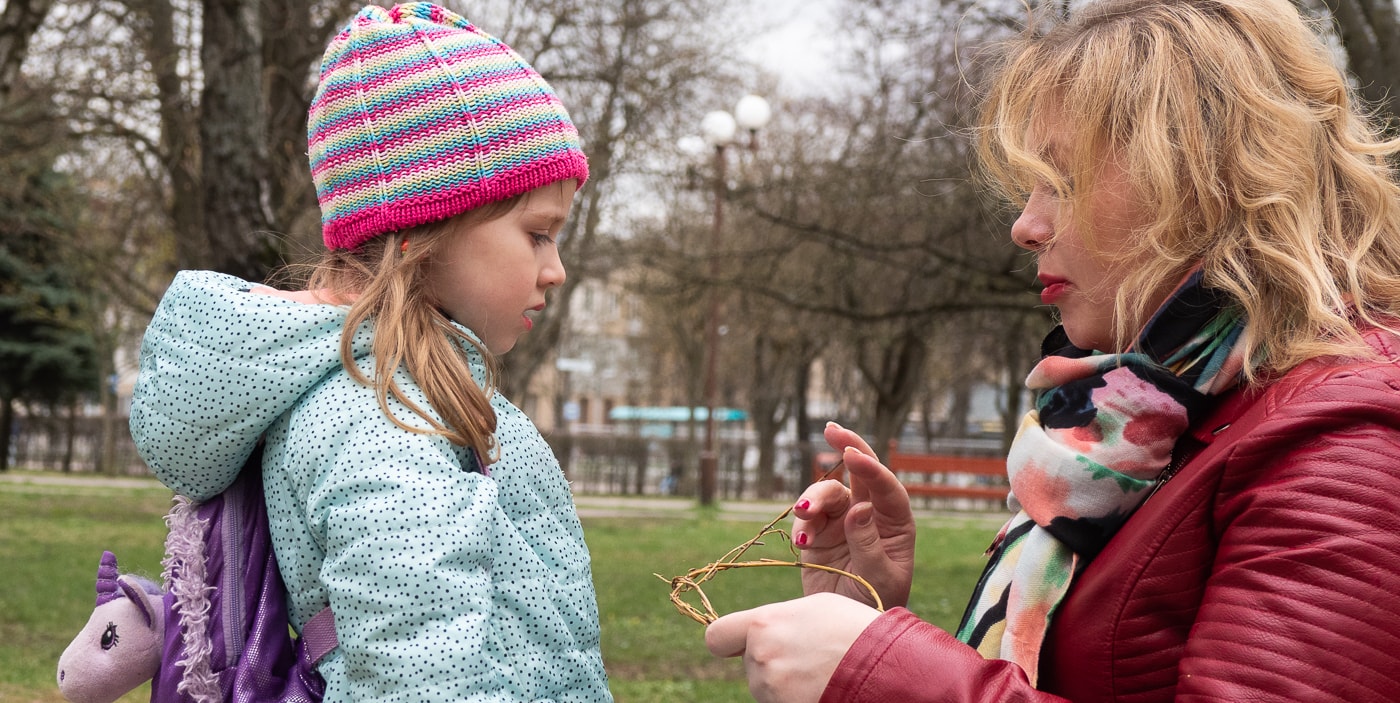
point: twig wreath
(691, 580)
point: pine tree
(47, 351)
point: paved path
(59, 479)
(589, 506)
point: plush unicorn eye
(109, 637)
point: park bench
(940, 477)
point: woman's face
(1082, 275)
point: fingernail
(801, 539)
(803, 504)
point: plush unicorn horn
(120, 646)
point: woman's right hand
(867, 529)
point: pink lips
(1054, 289)
(529, 323)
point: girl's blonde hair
(1241, 135)
(387, 281)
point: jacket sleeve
(1307, 532)
(901, 658)
(409, 542)
(1297, 606)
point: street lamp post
(719, 129)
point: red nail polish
(804, 504)
(802, 539)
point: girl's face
(491, 276)
(1081, 280)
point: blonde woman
(1207, 494)
(403, 492)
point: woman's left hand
(791, 648)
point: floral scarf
(1096, 445)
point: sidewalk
(589, 506)
(44, 478)
(601, 506)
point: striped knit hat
(421, 116)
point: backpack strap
(319, 635)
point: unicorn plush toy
(120, 647)
(218, 628)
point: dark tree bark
(179, 135)
(1370, 33)
(895, 376)
(292, 43)
(769, 405)
(7, 425)
(231, 135)
(18, 22)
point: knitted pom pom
(421, 116)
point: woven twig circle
(691, 580)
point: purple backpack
(228, 637)
(222, 615)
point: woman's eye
(541, 239)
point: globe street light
(719, 128)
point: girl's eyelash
(541, 239)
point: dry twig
(691, 580)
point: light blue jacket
(446, 584)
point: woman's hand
(867, 529)
(790, 649)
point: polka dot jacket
(446, 583)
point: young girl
(423, 508)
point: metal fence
(600, 464)
(74, 444)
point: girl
(423, 508)
(1209, 487)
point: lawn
(54, 535)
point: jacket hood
(218, 365)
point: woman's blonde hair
(1241, 135)
(386, 278)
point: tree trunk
(767, 409)
(107, 460)
(1017, 361)
(639, 463)
(901, 368)
(806, 453)
(766, 480)
(179, 136)
(959, 406)
(7, 428)
(231, 135)
(1370, 33)
(291, 43)
(105, 335)
(18, 23)
(70, 432)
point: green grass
(51, 539)
(52, 536)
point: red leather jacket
(1266, 569)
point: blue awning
(674, 413)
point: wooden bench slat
(927, 475)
